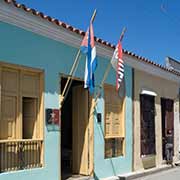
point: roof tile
(80, 32)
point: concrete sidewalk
(163, 172)
(144, 173)
(170, 174)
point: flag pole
(76, 61)
(108, 69)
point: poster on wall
(53, 116)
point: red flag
(118, 64)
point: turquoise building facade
(24, 47)
(117, 165)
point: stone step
(79, 177)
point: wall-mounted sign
(53, 116)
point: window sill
(17, 140)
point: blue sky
(153, 26)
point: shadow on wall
(95, 176)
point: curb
(144, 173)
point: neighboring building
(172, 64)
(36, 56)
(175, 65)
(156, 110)
(37, 53)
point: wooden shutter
(8, 121)
(80, 131)
(116, 120)
(114, 113)
(10, 82)
(9, 95)
(30, 85)
(169, 114)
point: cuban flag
(88, 47)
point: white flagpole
(73, 69)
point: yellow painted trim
(20, 67)
(124, 125)
(19, 120)
(91, 136)
(20, 140)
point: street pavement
(171, 174)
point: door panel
(10, 81)
(8, 117)
(169, 115)
(147, 125)
(80, 131)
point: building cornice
(149, 69)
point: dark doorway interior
(66, 130)
(147, 104)
(167, 109)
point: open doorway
(74, 131)
(167, 111)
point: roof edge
(82, 33)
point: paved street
(172, 174)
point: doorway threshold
(77, 177)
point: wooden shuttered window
(21, 117)
(114, 113)
(114, 122)
(20, 103)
